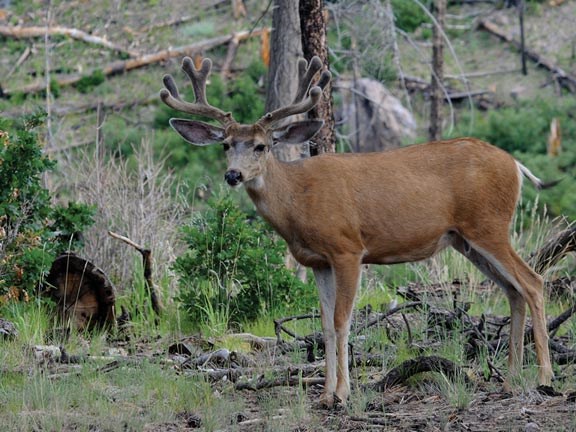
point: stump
(83, 293)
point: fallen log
(19, 32)
(122, 66)
(262, 383)
(566, 80)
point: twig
(494, 369)
(407, 328)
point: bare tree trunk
(314, 43)
(436, 96)
(286, 49)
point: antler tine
(301, 103)
(305, 75)
(171, 97)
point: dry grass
(137, 198)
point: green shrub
(32, 229)
(408, 14)
(87, 83)
(234, 268)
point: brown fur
(340, 210)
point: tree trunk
(286, 49)
(83, 294)
(436, 93)
(314, 43)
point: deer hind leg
(517, 303)
(327, 293)
(521, 285)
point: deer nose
(233, 177)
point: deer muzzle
(233, 177)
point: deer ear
(197, 132)
(297, 132)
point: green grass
(126, 398)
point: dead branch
(565, 358)
(567, 81)
(122, 66)
(221, 357)
(495, 372)
(233, 374)
(554, 250)
(382, 316)
(19, 32)
(279, 326)
(230, 55)
(560, 319)
(23, 57)
(262, 383)
(147, 264)
(412, 367)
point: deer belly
(407, 251)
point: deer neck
(271, 193)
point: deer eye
(226, 146)
(260, 148)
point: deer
(338, 211)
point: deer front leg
(347, 278)
(327, 293)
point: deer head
(247, 147)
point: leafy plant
(233, 270)
(32, 229)
(408, 14)
(87, 83)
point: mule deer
(339, 211)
